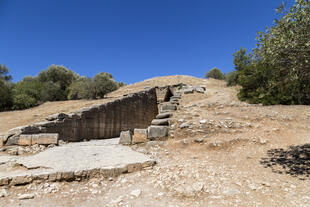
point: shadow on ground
(294, 161)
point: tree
(5, 88)
(83, 88)
(4, 73)
(52, 91)
(103, 84)
(215, 73)
(60, 76)
(231, 78)
(281, 60)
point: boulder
(164, 115)
(168, 107)
(125, 138)
(139, 136)
(164, 122)
(157, 132)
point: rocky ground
(221, 152)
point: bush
(215, 73)
(5, 96)
(52, 92)
(23, 101)
(231, 78)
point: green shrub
(23, 101)
(81, 89)
(231, 78)
(52, 92)
(103, 84)
(215, 73)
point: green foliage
(57, 83)
(23, 101)
(81, 89)
(278, 70)
(61, 78)
(103, 84)
(231, 78)
(215, 73)
(52, 92)
(5, 96)
(4, 73)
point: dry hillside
(221, 152)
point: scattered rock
(26, 196)
(136, 193)
(199, 140)
(3, 193)
(203, 121)
(184, 125)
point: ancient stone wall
(101, 121)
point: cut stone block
(45, 139)
(168, 107)
(157, 132)
(25, 140)
(188, 90)
(163, 115)
(164, 122)
(139, 136)
(125, 138)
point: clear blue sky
(132, 39)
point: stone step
(164, 115)
(168, 107)
(157, 132)
(164, 122)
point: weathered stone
(139, 136)
(157, 132)
(164, 122)
(168, 107)
(44, 139)
(3, 193)
(25, 140)
(125, 138)
(26, 196)
(184, 125)
(199, 89)
(164, 115)
(188, 90)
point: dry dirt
(221, 152)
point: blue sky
(132, 39)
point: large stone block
(164, 122)
(25, 140)
(45, 139)
(168, 107)
(163, 115)
(157, 132)
(139, 136)
(125, 138)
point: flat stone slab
(76, 161)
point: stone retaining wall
(100, 121)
